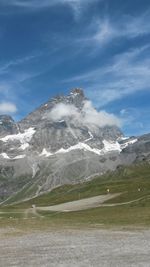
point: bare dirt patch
(76, 248)
(82, 204)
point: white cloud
(61, 110)
(92, 116)
(127, 27)
(135, 120)
(34, 5)
(104, 32)
(125, 74)
(87, 116)
(44, 3)
(136, 26)
(7, 107)
(17, 62)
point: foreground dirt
(75, 248)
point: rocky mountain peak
(77, 91)
(6, 118)
(76, 97)
(67, 121)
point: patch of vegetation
(133, 182)
(103, 216)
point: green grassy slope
(127, 180)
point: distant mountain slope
(63, 141)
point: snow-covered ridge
(79, 146)
(23, 138)
(130, 142)
(108, 147)
(61, 121)
(19, 157)
(122, 138)
(111, 146)
(45, 153)
(90, 137)
(5, 156)
(24, 146)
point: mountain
(7, 125)
(63, 141)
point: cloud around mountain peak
(86, 116)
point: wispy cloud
(16, 62)
(128, 27)
(135, 120)
(44, 3)
(125, 74)
(35, 5)
(101, 33)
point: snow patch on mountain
(90, 138)
(79, 146)
(24, 146)
(111, 146)
(45, 153)
(22, 137)
(108, 147)
(5, 156)
(19, 157)
(122, 138)
(130, 142)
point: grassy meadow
(133, 210)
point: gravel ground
(81, 204)
(80, 248)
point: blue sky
(48, 47)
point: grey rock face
(45, 150)
(141, 148)
(7, 125)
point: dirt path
(81, 204)
(123, 203)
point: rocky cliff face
(63, 141)
(7, 126)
